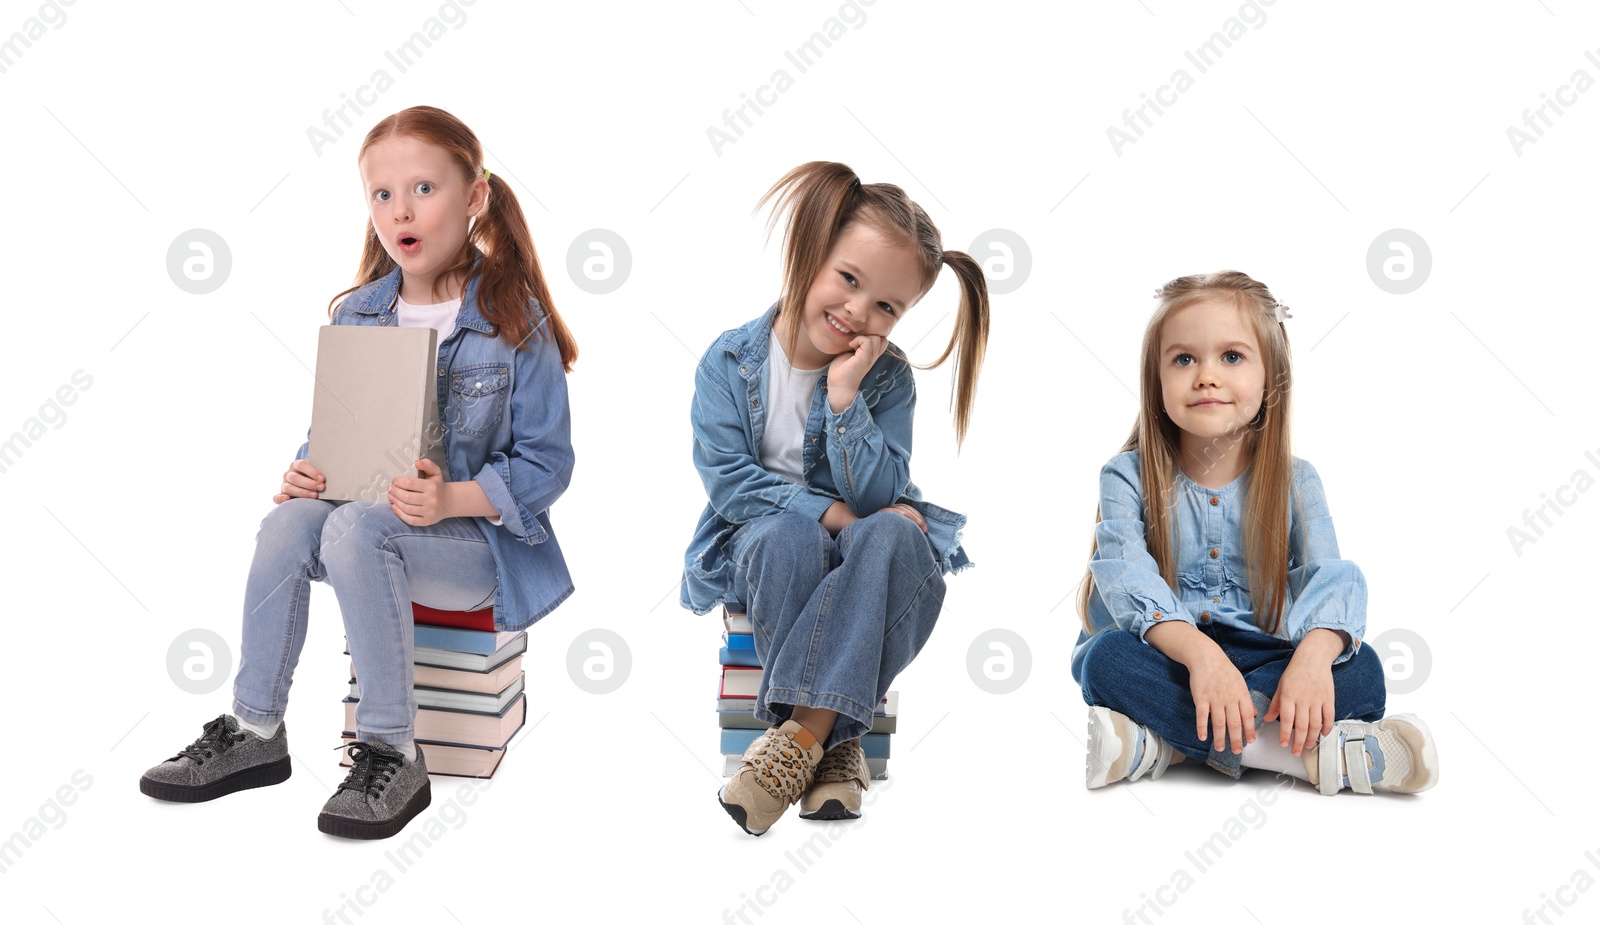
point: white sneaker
(1113, 738)
(1394, 754)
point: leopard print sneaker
(777, 768)
(835, 792)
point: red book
(464, 619)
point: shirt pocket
(478, 398)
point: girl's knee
(888, 526)
(1108, 656)
(783, 535)
(356, 525)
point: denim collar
(1238, 481)
(751, 345)
(382, 296)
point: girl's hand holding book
(302, 480)
(419, 502)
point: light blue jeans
(377, 564)
(835, 619)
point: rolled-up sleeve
(1125, 574)
(1329, 592)
(525, 482)
(739, 489)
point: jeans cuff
(849, 712)
(255, 716)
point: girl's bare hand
(302, 480)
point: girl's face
(420, 206)
(868, 281)
(1213, 379)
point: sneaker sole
(354, 828)
(1105, 749)
(828, 811)
(1426, 756)
(262, 775)
(737, 812)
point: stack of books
(468, 681)
(741, 680)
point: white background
(1436, 419)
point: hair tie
(1280, 312)
(486, 173)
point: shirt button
(1215, 553)
(841, 429)
(441, 374)
(1216, 600)
(744, 369)
(1215, 500)
(1205, 618)
(1158, 615)
(755, 402)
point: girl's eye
(848, 278)
(886, 307)
(424, 187)
(381, 195)
(1178, 360)
(1233, 353)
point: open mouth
(834, 323)
(409, 242)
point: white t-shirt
(441, 316)
(789, 394)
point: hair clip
(1280, 312)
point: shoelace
(372, 767)
(215, 739)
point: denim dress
(1323, 589)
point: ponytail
(970, 338)
(821, 199)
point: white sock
(1265, 753)
(407, 748)
(265, 732)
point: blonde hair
(822, 199)
(1155, 437)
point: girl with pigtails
(802, 424)
(448, 247)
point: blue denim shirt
(505, 425)
(1213, 586)
(860, 456)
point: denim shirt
(506, 425)
(1213, 586)
(860, 456)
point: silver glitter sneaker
(382, 793)
(224, 759)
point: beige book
(375, 410)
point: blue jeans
(1132, 677)
(835, 618)
(377, 564)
